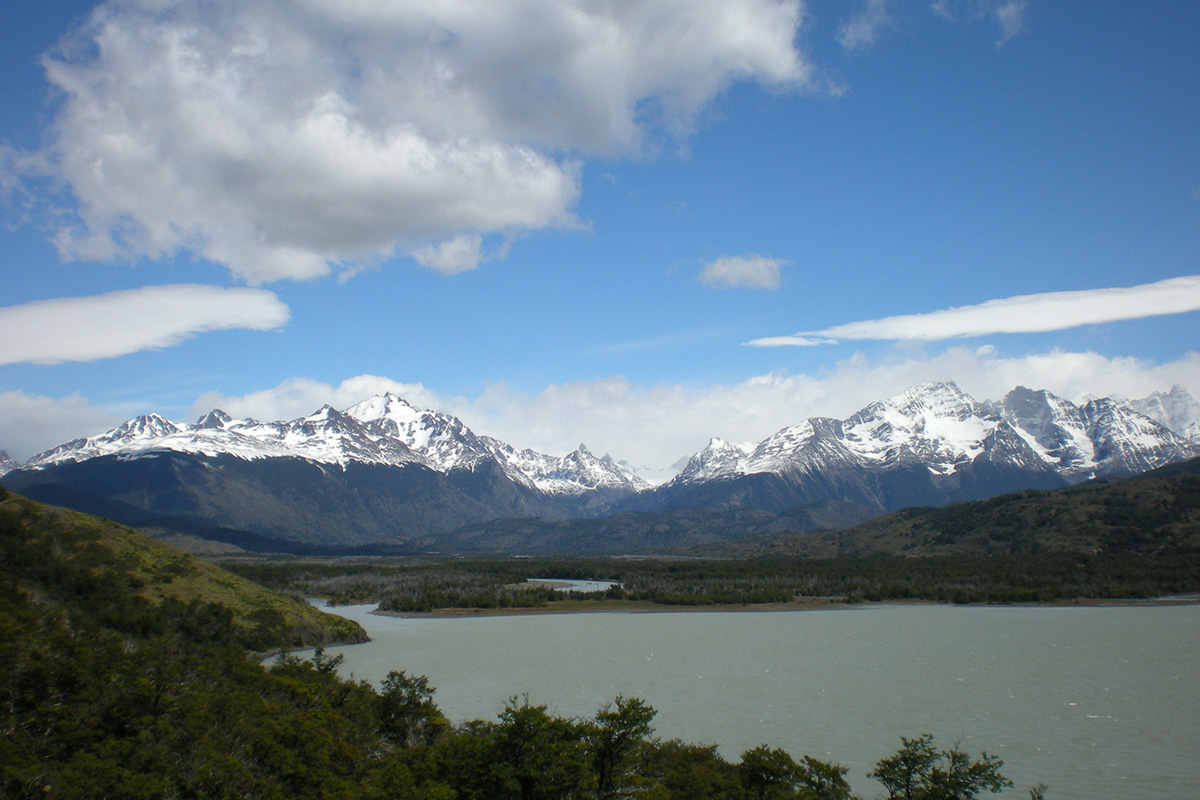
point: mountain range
(930, 445)
(385, 471)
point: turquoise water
(1098, 703)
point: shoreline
(806, 604)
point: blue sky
(579, 222)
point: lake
(1097, 702)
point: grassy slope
(157, 571)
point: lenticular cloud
(286, 138)
(1030, 313)
(127, 321)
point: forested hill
(79, 566)
(1157, 513)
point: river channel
(1100, 703)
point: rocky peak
(214, 420)
(1176, 409)
(146, 426)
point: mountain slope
(382, 430)
(634, 532)
(384, 471)
(284, 498)
(1175, 409)
(1155, 513)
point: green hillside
(66, 560)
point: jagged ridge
(384, 430)
(929, 445)
(384, 470)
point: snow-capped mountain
(7, 463)
(384, 470)
(936, 425)
(379, 470)
(326, 436)
(1098, 439)
(930, 444)
(447, 444)
(1176, 409)
(717, 459)
(383, 430)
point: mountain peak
(145, 426)
(323, 413)
(215, 419)
(937, 395)
(1177, 410)
(384, 406)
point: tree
(919, 771)
(681, 771)
(820, 780)
(407, 713)
(772, 774)
(769, 774)
(614, 739)
(540, 756)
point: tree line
(411, 585)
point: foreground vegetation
(408, 586)
(115, 685)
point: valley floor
(801, 604)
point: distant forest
(407, 585)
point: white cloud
(459, 254)
(286, 138)
(1032, 313)
(654, 425)
(30, 424)
(791, 341)
(865, 26)
(118, 323)
(1010, 15)
(743, 272)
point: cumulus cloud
(286, 138)
(1031, 313)
(118, 323)
(864, 26)
(30, 424)
(743, 272)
